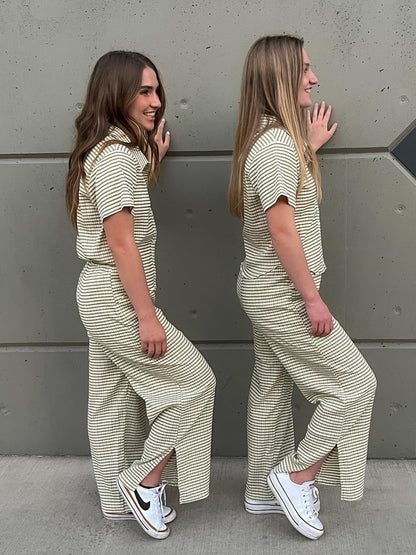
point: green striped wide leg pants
(329, 371)
(140, 409)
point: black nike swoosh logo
(145, 506)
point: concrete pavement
(49, 505)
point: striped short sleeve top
(116, 178)
(272, 169)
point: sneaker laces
(315, 499)
(308, 499)
(162, 495)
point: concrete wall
(364, 55)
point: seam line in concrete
(206, 346)
(50, 157)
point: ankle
(148, 484)
(300, 477)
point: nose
(156, 101)
(313, 78)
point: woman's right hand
(320, 317)
(318, 122)
(152, 336)
(163, 142)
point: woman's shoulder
(272, 141)
(274, 135)
(110, 151)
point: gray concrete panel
(43, 401)
(360, 51)
(380, 267)
(333, 224)
(394, 416)
(366, 212)
(37, 283)
(199, 250)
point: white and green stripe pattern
(117, 178)
(329, 371)
(139, 409)
(265, 181)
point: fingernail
(167, 132)
(163, 119)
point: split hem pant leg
(141, 409)
(329, 371)
(117, 426)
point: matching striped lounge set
(139, 409)
(329, 371)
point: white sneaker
(262, 507)
(297, 503)
(168, 515)
(147, 508)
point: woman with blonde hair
(142, 370)
(275, 189)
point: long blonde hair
(270, 85)
(114, 84)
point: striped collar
(118, 134)
(268, 119)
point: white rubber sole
(119, 516)
(293, 517)
(170, 517)
(262, 507)
(139, 516)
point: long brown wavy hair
(113, 86)
(270, 85)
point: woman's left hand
(162, 143)
(317, 122)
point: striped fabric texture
(329, 371)
(264, 182)
(139, 409)
(116, 177)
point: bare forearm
(131, 272)
(289, 249)
(119, 230)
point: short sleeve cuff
(114, 182)
(274, 172)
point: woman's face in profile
(144, 107)
(308, 80)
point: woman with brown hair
(142, 370)
(275, 189)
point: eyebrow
(307, 64)
(148, 88)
